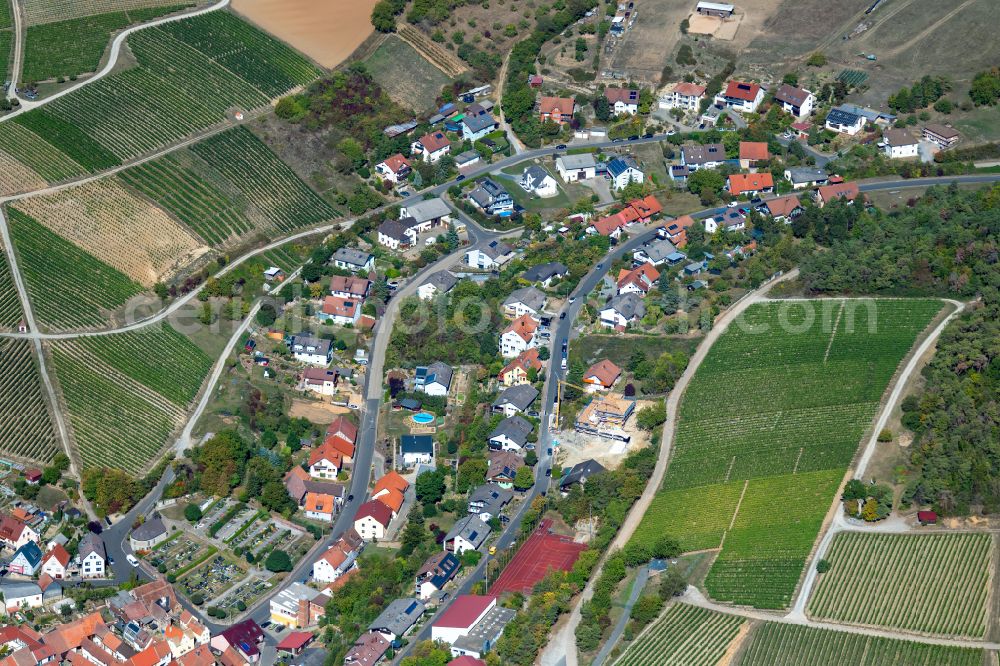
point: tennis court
(541, 553)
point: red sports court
(538, 555)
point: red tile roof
(326, 451)
(296, 640)
(338, 443)
(626, 95)
(527, 359)
(642, 276)
(606, 372)
(391, 481)
(783, 206)
(464, 611)
(524, 326)
(556, 105)
(434, 141)
(340, 307)
(60, 554)
(647, 206)
(392, 498)
(754, 150)
(749, 182)
(374, 509)
(740, 90)
(356, 286)
(320, 503)
(397, 163)
(608, 225)
(847, 191)
(689, 89)
(345, 427)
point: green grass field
(683, 636)
(68, 287)
(26, 430)
(782, 400)
(874, 581)
(775, 644)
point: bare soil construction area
(327, 31)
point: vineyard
(116, 421)
(683, 636)
(782, 399)
(10, 302)
(36, 154)
(15, 177)
(927, 583)
(82, 42)
(68, 138)
(26, 429)
(122, 230)
(775, 644)
(156, 356)
(68, 287)
(48, 11)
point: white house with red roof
(741, 96)
(622, 100)
(372, 520)
(518, 337)
(471, 625)
(55, 561)
(15, 533)
(431, 147)
(639, 280)
(340, 310)
(601, 375)
(335, 562)
(394, 168)
(683, 95)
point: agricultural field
(68, 287)
(6, 36)
(176, 370)
(26, 429)
(777, 644)
(82, 42)
(40, 159)
(683, 636)
(782, 400)
(698, 517)
(10, 302)
(117, 227)
(48, 11)
(874, 581)
(419, 89)
(67, 138)
(116, 421)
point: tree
(274, 497)
(650, 417)
(823, 566)
(704, 180)
(665, 547)
(602, 109)
(524, 478)
(430, 487)
(855, 489)
(470, 474)
(985, 88)
(192, 512)
(636, 553)
(267, 314)
(278, 561)
(646, 608)
(531, 458)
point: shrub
(192, 513)
(823, 566)
(278, 561)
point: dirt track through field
(325, 30)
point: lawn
(417, 85)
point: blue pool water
(423, 418)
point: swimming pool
(423, 418)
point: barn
(718, 9)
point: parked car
(131, 560)
(548, 472)
(561, 146)
(460, 178)
(634, 137)
(562, 315)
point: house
(783, 208)
(827, 193)
(350, 287)
(372, 520)
(439, 283)
(802, 177)
(390, 481)
(610, 226)
(535, 81)
(244, 638)
(338, 559)
(730, 220)
(752, 152)
(435, 379)
(311, 350)
(580, 473)
(14, 533)
(622, 310)
(537, 180)
(601, 375)
(872, 116)
(799, 102)
(145, 537)
(511, 434)
(843, 121)
(320, 506)
(741, 96)
(339, 310)
(469, 533)
(343, 435)
(750, 184)
(488, 500)
(572, 168)
(354, 260)
(397, 618)
(477, 123)
(703, 156)
(518, 337)
(716, 9)
(394, 168)
(295, 643)
(297, 606)
(323, 380)
(493, 256)
(942, 135)
(503, 468)
(927, 517)
(467, 159)
(416, 450)
(26, 560)
(800, 130)
(605, 416)
(368, 650)
(524, 301)
(431, 147)
(900, 144)
(471, 625)
(426, 214)
(655, 252)
(21, 595)
(491, 198)
(435, 573)
(518, 371)
(55, 561)
(394, 234)
(646, 208)
(623, 171)
(676, 230)
(639, 280)
(515, 400)
(545, 273)
(556, 109)
(683, 95)
(622, 100)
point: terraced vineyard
(927, 583)
(699, 517)
(284, 257)
(116, 421)
(683, 636)
(775, 644)
(37, 155)
(782, 399)
(68, 137)
(10, 303)
(26, 430)
(68, 287)
(157, 356)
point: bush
(816, 60)
(672, 583)
(197, 599)
(885, 435)
(278, 561)
(650, 417)
(823, 566)
(192, 512)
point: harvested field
(327, 32)
(445, 60)
(16, 177)
(422, 83)
(47, 11)
(651, 42)
(117, 227)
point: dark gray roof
(399, 616)
(496, 249)
(543, 272)
(301, 343)
(581, 472)
(428, 209)
(628, 305)
(620, 165)
(488, 493)
(520, 397)
(472, 529)
(442, 281)
(535, 174)
(31, 552)
(351, 255)
(395, 229)
(19, 590)
(514, 428)
(659, 250)
(479, 122)
(840, 116)
(150, 529)
(791, 95)
(577, 161)
(416, 444)
(467, 156)
(806, 174)
(439, 372)
(700, 154)
(529, 296)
